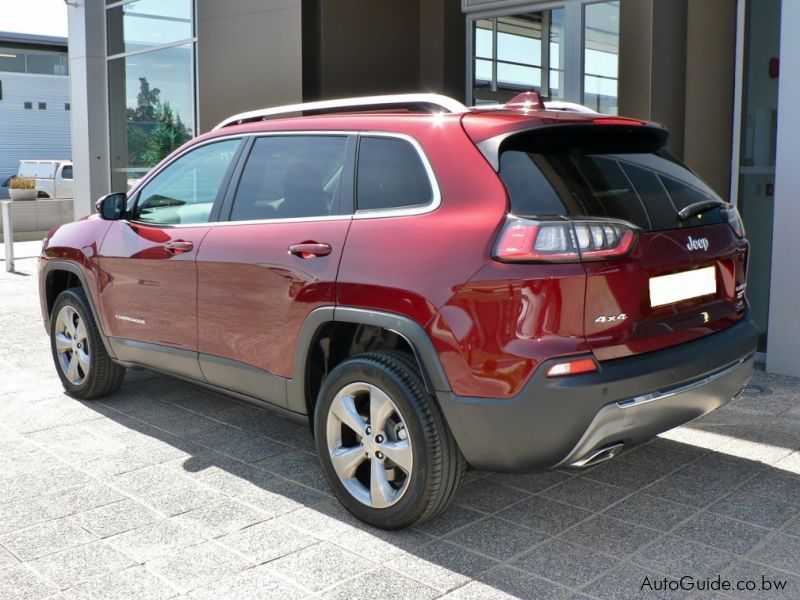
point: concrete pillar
(783, 341)
(652, 64)
(710, 68)
(88, 96)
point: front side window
(66, 172)
(390, 175)
(185, 191)
(290, 176)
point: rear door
(683, 279)
(274, 260)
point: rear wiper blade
(697, 208)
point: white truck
(53, 177)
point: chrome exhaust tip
(599, 455)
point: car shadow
(719, 497)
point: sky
(41, 17)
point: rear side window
(644, 188)
(66, 173)
(390, 175)
(290, 176)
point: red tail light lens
(735, 221)
(572, 367)
(526, 240)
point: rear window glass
(390, 175)
(646, 189)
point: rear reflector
(572, 367)
(526, 240)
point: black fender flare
(432, 370)
(75, 269)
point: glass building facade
(151, 87)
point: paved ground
(166, 490)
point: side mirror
(113, 206)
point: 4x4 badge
(611, 318)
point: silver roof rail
(569, 107)
(400, 101)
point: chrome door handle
(179, 246)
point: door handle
(310, 249)
(179, 246)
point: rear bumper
(557, 421)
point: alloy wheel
(369, 445)
(72, 345)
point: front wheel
(85, 368)
(384, 447)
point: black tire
(103, 375)
(438, 463)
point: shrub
(22, 183)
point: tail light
(735, 220)
(527, 240)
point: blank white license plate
(669, 289)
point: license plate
(669, 289)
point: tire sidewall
(70, 298)
(414, 500)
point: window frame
(417, 209)
(134, 194)
(343, 208)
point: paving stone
(453, 518)
(719, 469)
(6, 559)
(488, 496)
(496, 538)
(198, 566)
(237, 443)
(768, 581)
(134, 583)
(20, 514)
(47, 481)
(521, 584)
(776, 485)
(441, 565)
(259, 583)
(615, 537)
(586, 493)
(220, 518)
(72, 567)
(477, 590)
(267, 541)
(678, 557)
(180, 499)
(155, 540)
(324, 521)
(116, 518)
(543, 514)
(781, 552)
(81, 498)
(648, 511)
(723, 533)
(686, 490)
(533, 483)
(45, 538)
(760, 510)
(565, 563)
(388, 584)
(145, 480)
(20, 583)
(321, 566)
(624, 474)
(657, 457)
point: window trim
(417, 209)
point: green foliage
(154, 130)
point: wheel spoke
(80, 331)
(346, 461)
(83, 360)
(62, 343)
(400, 453)
(72, 370)
(345, 410)
(69, 322)
(380, 492)
(380, 407)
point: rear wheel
(384, 447)
(85, 368)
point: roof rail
(569, 107)
(415, 102)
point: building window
(66, 106)
(151, 84)
(509, 56)
(39, 62)
(601, 56)
(28, 105)
(42, 105)
(568, 52)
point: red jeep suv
(430, 286)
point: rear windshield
(647, 189)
